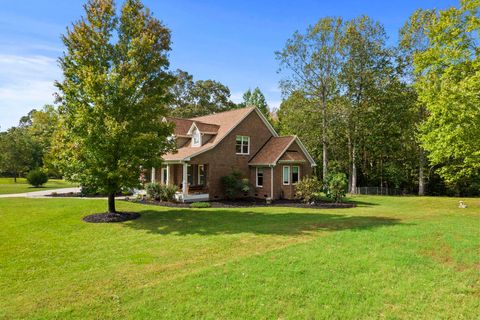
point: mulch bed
(253, 202)
(111, 217)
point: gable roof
(223, 122)
(275, 149)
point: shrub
(167, 192)
(160, 192)
(337, 186)
(37, 177)
(200, 205)
(234, 184)
(153, 190)
(308, 189)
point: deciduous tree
(113, 97)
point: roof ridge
(222, 112)
(260, 149)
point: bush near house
(37, 177)
(337, 186)
(308, 189)
(160, 192)
(234, 184)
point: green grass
(8, 186)
(393, 258)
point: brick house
(212, 146)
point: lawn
(8, 186)
(391, 257)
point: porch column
(168, 174)
(271, 182)
(153, 175)
(184, 180)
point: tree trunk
(349, 163)
(354, 172)
(324, 138)
(111, 203)
(15, 177)
(421, 175)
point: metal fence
(381, 191)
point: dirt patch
(253, 202)
(111, 217)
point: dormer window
(196, 138)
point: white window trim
(200, 175)
(298, 174)
(256, 177)
(283, 175)
(163, 175)
(241, 149)
(196, 132)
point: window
(189, 174)
(242, 145)
(286, 175)
(196, 138)
(164, 175)
(260, 177)
(295, 174)
(201, 175)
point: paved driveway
(39, 194)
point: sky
(229, 41)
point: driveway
(39, 194)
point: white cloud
(26, 82)
(237, 97)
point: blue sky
(229, 41)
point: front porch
(190, 178)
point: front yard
(390, 257)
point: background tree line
(404, 116)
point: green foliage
(337, 184)
(448, 83)
(200, 205)
(113, 97)
(196, 98)
(167, 192)
(17, 152)
(37, 177)
(257, 99)
(160, 192)
(308, 189)
(234, 184)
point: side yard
(8, 186)
(391, 257)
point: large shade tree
(197, 98)
(448, 84)
(311, 62)
(113, 97)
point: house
(212, 146)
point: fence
(381, 191)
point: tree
(16, 151)
(313, 62)
(257, 99)
(414, 39)
(448, 83)
(40, 126)
(113, 97)
(366, 66)
(202, 97)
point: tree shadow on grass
(216, 222)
